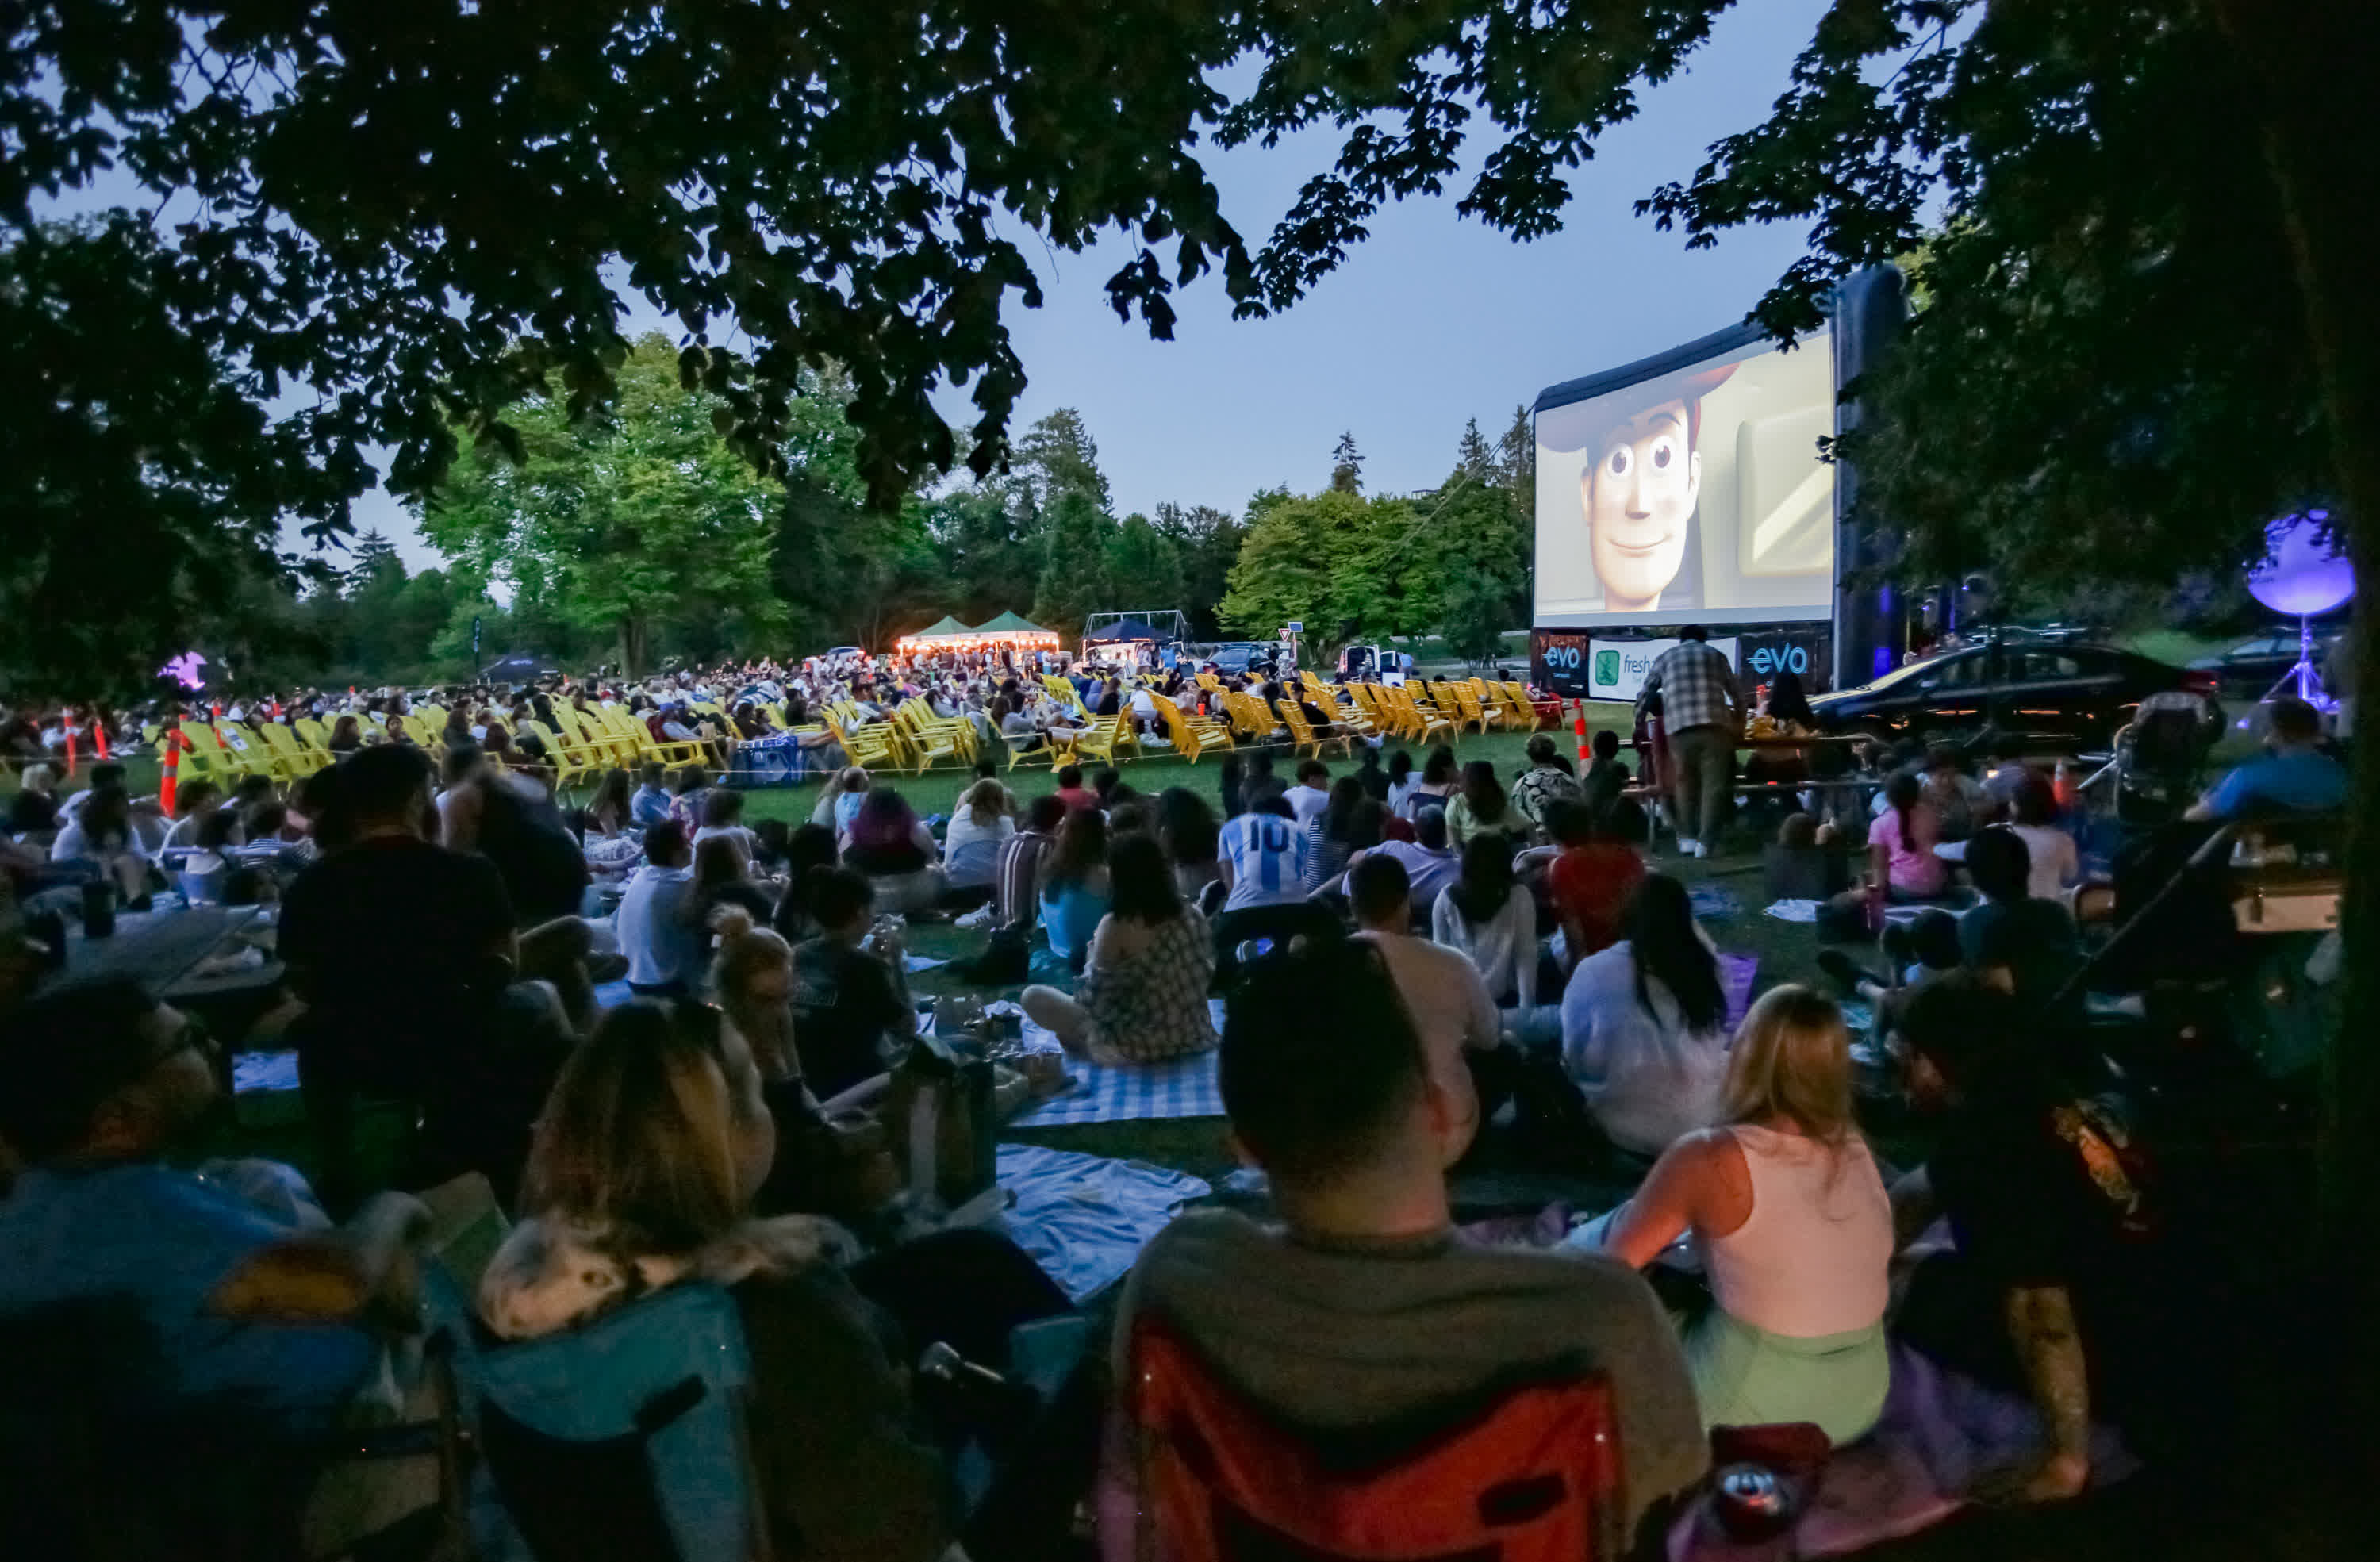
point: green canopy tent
(944, 628)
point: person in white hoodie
(1644, 1024)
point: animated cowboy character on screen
(1639, 486)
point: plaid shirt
(1696, 686)
(1016, 890)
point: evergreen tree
(375, 556)
(1346, 466)
(1474, 458)
(1516, 461)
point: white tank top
(1813, 1258)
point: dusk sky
(1432, 321)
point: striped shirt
(1267, 855)
(1016, 884)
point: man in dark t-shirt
(401, 951)
(2027, 947)
(846, 1000)
(2063, 1287)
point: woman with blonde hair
(1792, 1224)
(640, 1178)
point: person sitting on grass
(1901, 844)
(1430, 863)
(1442, 780)
(1312, 793)
(2293, 777)
(1016, 893)
(2063, 1287)
(980, 829)
(1481, 808)
(648, 1156)
(1073, 793)
(658, 930)
(1186, 829)
(156, 1271)
(1075, 888)
(891, 845)
(1142, 997)
(2028, 948)
(1645, 1024)
(851, 986)
(1547, 778)
(1786, 1206)
(1442, 990)
(1591, 882)
(1491, 919)
(1331, 833)
(1365, 1307)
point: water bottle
(98, 910)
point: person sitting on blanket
(2063, 1286)
(851, 984)
(2025, 946)
(1442, 990)
(1365, 1307)
(1791, 1219)
(1645, 1024)
(147, 1271)
(1142, 997)
(647, 1154)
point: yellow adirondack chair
(1303, 737)
(1192, 735)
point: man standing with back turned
(1703, 715)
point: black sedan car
(2077, 693)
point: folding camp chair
(625, 1439)
(1533, 1476)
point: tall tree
(374, 556)
(1516, 461)
(1075, 581)
(1474, 458)
(1056, 457)
(1143, 566)
(1207, 540)
(622, 519)
(1346, 466)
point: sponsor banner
(1581, 666)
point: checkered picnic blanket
(1183, 1088)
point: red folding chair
(1533, 1476)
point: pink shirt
(1911, 866)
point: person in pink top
(1901, 844)
(1791, 1219)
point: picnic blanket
(1184, 1088)
(1736, 975)
(1084, 1219)
(1939, 1433)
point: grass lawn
(938, 791)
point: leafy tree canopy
(621, 520)
(364, 225)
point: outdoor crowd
(1416, 962)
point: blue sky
(1432, 321)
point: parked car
(1237, 656)
(2251, 668)
(2078, 692)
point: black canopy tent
(1122, 632)
(520, 667)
